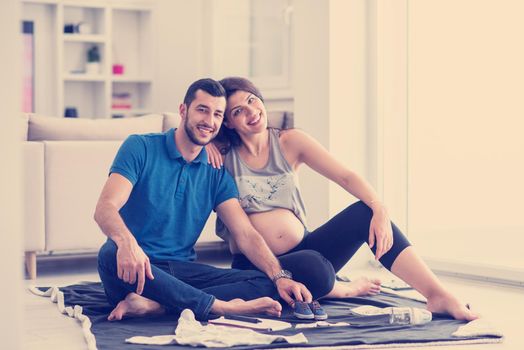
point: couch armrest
(33, 196)
(75, 172)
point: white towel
(477, 328)
(191, 332)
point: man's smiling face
(203, 117)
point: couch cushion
(75, 173)
(58, 129)
(171, 120)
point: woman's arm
(299, 147)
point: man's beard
(192, 135)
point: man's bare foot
(361, 286)
(263, 305)
(135, 305)
(447, 304)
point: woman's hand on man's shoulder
(214, 156)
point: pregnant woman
(264, 162)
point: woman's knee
(317, 261)
(361, 208)
(356, 216)
(325, 272)
(315, 271)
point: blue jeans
(182, 285)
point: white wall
(183, 37)
(352, 115)
(387, 101)
(462, 162)
(178, 46)
(311, 96)
(466, 154)
(10, 190)
(334, 97)
(443, 123)
(348, 92)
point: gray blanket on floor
(112, 335)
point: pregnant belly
(280, 228)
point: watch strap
(282, 274)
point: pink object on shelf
(118, 69)
(120, 106)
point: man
(153, 207)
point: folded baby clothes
(191, 332)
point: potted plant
(93, 61)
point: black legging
(323, 252)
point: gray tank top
(273, 186)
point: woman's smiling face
(245, 113)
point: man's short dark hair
(210, 86)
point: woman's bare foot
(135, 305)
(361, 286)
(263, 305)
(447, 304)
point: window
(250, 39)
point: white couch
(66, 163)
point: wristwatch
(282, 274)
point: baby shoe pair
(309, 311)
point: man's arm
(253, 245)
(133, 264)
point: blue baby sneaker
(318, 312)
(301, 310)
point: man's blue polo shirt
(171, 199)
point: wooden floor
(46, 328)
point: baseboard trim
(478, 272)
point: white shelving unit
(121, 31)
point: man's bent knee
(107, 254)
